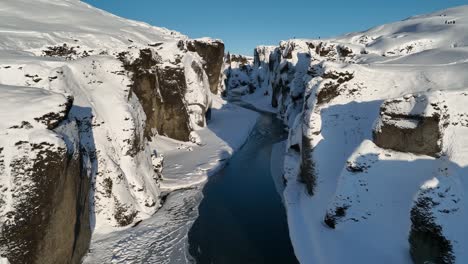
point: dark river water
(241, 217)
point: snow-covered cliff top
(31, 25)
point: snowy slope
(30, 26)
(376, 148)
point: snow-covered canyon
(376, 157)
(85, 98)
(110, 129)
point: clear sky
(244, 24)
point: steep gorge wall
(330, 100)
(45, 211)
(89, 166)
(162, 89)
(161, 93)
(72, 169)
(212, 53)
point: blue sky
(244, 24)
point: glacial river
(241, 218)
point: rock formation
(375, 144)
(45, 200)
(408, 125)
(212, 53)
(68, 167)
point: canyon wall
(375, 144)
(45, 187)
(79, 110)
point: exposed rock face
(50, 223)
(45, 207)
(172, 113)
(307, 169)
(427, 240)
(161, 93)
(212, 53)
(175, 97)
(406, 125)
(238, 79)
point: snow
(52, 50)
(163, 237)
(34, 102)
(430, 184)
(419, 64)
(188, 164)
(259, 100)
(22, 113)
(159, 239)
(30, 26)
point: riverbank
(163, 237)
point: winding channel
(241, 217)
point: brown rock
(212, 53)
(408, 132)
(50, 220)
(160, 92)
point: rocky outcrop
(175, 97)
(161, 92)
(238, 79)
(435, 235)
(409, 125)
(439, 210)
(283, 71)
(428, 243)
(50, 220)
(45, 199)
(212, 53)
(307, 167)
(261, 63)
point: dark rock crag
(212, 53)
(161, 88)
(49, 221)
(414, 131)
(427, 241)
(160, 92)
